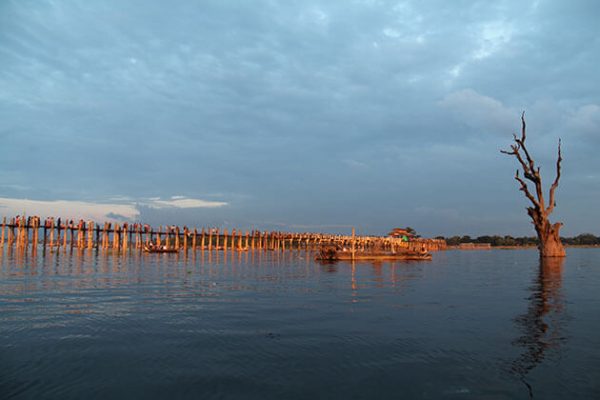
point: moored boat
(160, 249)
(330, 253)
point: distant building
(401, 233)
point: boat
(331, 253)
(160, 249)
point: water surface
(266, 325)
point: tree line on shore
(584, 239)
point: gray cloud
(303, 113)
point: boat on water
(335, 254)
(160, 249)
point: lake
(269, 325)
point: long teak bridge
(23, 232)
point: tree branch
(552, 202)
(525, 190)
(521, 142)
(515, 151)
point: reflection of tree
(541, 324)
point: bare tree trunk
(548, 233)
(550, 244)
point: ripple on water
(466, 325)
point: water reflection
(542, 324)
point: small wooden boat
(330, 253)
(160, 249)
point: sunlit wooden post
(25, 233)
(28, 225)
(116, 234)
(71, 231)
(97, 229)
(38, 224)
(36, 230)
(90, 234)
(65, 228)
(45, 233)
(130, 231)
(138, 235)
(79, 234)
(18, 234)
(353, 243)
(134, 240)
(125, 239)
(122, 236)
(11, 232)
(104, 236)
(2, 235)
(81, 231)
(33, 234)
(52, 232)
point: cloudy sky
(298, 115)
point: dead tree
(548, 233)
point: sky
(298, 115)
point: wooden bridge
(23, 232)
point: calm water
(467, 325)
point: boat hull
(159, 250)
(372, 256)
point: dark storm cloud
(366, 113)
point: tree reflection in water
(541, 324)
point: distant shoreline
(583, 246)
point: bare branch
(525, 190)
(552, 202)
(533, 214)
(521, 143)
